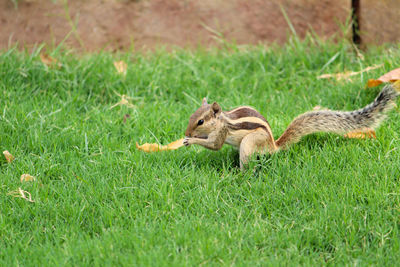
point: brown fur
(199, 114)
(340, 122)
(244, 112)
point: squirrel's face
(203, 121)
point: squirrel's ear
(204, 101)
(216, 108)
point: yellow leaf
(176, 144)
(121, 67)
(361, 134)
(8, 156)
(27, 178)
(156, 147)
(391, 76)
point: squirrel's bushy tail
(341, 121)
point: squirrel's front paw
(186, 141)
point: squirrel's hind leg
(258, 141)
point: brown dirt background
(92, 25)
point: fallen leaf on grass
(49, 61)
(362, 134)
(319, 108)
(346, 75)
(22, 194)
(121, 67)
(27, 178)
(8, 156)
(391, 76)
(156, 147)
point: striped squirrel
(246, 129)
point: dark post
(355, 17)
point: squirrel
(246, 129)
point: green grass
(99, 201)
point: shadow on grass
(298, 154)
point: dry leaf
(8, 156)
(361, 134)
(176, 144)
(319, 108)
(391, 76)
(121, 67)
(156, 147)
(22, 194)
(49, 61)
(27, 178)
(346, 75)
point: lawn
(100, 201)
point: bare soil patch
(113, 25)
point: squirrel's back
(341, 121)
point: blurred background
(92, 25)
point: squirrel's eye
(200, 122)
